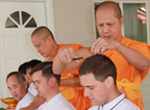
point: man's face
(44, 47)
(17, 90)
(95, 90)
(108, 25)
(41, 84)
(27, 76)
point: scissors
(79, 58)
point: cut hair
(100, 66)
(46, 69)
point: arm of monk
(63, 60)
(134, 57)
(71, 82)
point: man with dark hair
(98, 76)
(47, 85)
(23, 68)
(17, 86)
(26, 68)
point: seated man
(98, 76)
(25, 68)
(18, 88)
(47, 85)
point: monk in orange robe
(128, 77)
(43, 40)
(130, 57)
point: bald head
(110, 5)
(42, 32)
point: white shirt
(32, 89)
(120, 103)
(25, 101)
(58, 102)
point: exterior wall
(73, 22)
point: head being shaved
(110, 5)
(42, 33)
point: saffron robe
(128, 77)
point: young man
(47, 85)
(130, 57)
(44, 42)
(98, 76)
(25, 68)
(18, 88)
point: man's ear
(25, 84)
(122, 21)
(49, 39)
(52, 81)
(109, 81)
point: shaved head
(42, 33)
(110, 5)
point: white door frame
(49, 11)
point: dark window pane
(25, 17)
(31, 23)
(15, 16)
(10, 24)
(135, 25)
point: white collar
(114, 103)
(55, 98)
(24, 98)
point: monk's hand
(101, 45)
(66, 54)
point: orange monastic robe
(74, 95)
(128, 77)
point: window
(20, 18)
(135, 24)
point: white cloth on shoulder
(58, 102)
(25, 101)
(120, 103)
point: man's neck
(53, 54)
(113, 95)
(24, 95)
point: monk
(45, 44)
(130, 57)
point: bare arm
(134, 57)
(38, 100)
(63, 61)
(71, 82)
